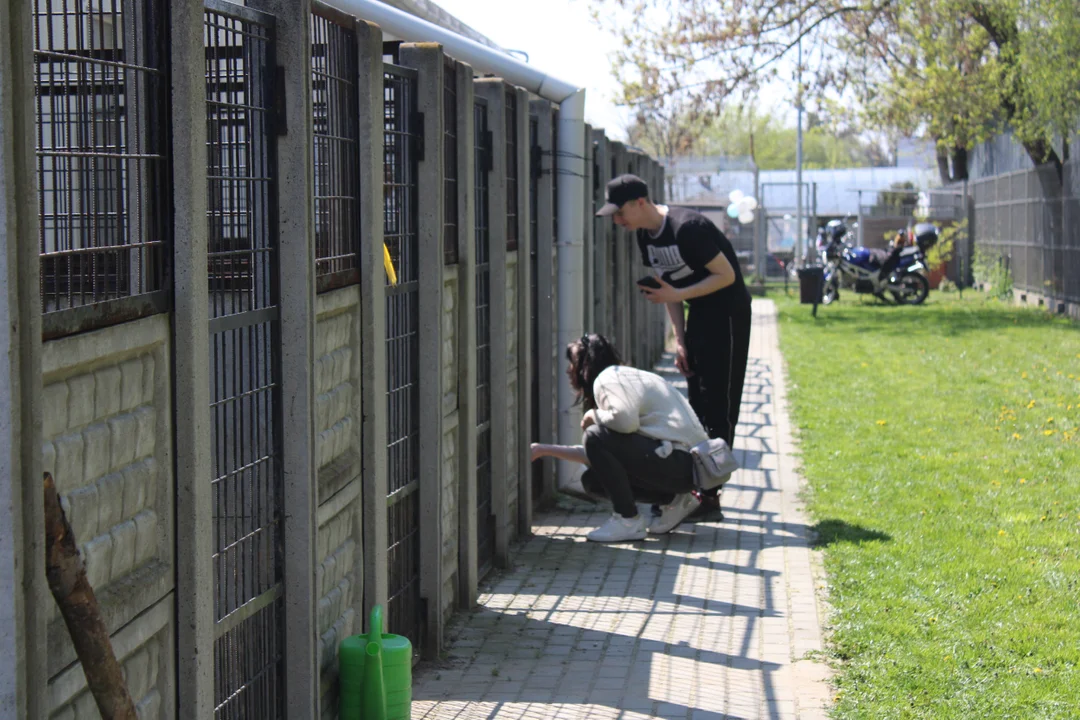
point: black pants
(625, 468)
(717, 347)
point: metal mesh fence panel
(450, 164)
(245, 364)
(511, 171)
(485, 533)
(404, 607)
(103, 180)
(335, 99)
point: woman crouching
(638, 431)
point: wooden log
(66, 575)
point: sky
(561, 39)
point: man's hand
(588, 419)
(537, 451)
(682, 361)
(664, 294)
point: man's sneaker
(708, 510)
(620, 529)
(673, 514)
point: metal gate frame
(246, 409)
(537, 468)
(406, 614)
(485, 515)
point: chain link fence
(1027, 222)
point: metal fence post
(191, 348)
(493, 90)
(545, 293)
(466, 495)
(372, 313)
(427, 59)
(601, 237)
(524, 318)
(23, 593)
(621, 327)
(296, 288)
(589, 241)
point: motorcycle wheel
(831, 293)
(916, 288)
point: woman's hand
(588, 419)
(537, 451)
(666, 293)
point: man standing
(693, 263)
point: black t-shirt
(687, 243)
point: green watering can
(375, 674)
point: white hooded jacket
(629, 400)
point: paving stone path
(715, 620)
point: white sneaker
(673, 514)
(620, 529)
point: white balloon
(736, 195)
(744, 203)
(746, 217)
(751, 203)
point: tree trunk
(1041, 153)
(943, 165)
(959, 164)
(67, 580)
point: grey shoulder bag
(714, 462)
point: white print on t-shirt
(668, 260)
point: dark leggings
(625, 468)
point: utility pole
(759, 242)
(800, 240)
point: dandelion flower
(1048, 433)
(1031, 404)
(1016, 436)
(880, 423)
(1024, 374)
(1023, 481)
(1049, 420)
(1038, 670)
(1001, 532)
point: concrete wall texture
(124, 411)
(107, 425)
(339, 576)
(451, 437)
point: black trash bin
(811, 284)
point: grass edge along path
(941, 450)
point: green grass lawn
(942, 450)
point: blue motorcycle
(899, 273)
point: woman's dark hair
(589, 357)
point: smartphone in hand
(650, 282)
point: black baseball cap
(620, 191)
